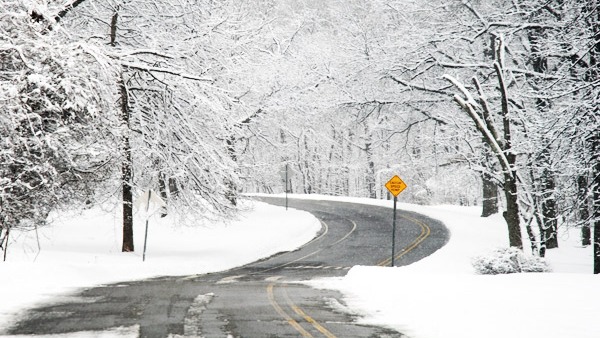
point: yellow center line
(289, 301)
(306, 317)
(283, 314)
(425, 232)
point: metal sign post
(286, 177)
(394, 232)
(151, 202)
(395, 187)
(147, 218)
(6, 242)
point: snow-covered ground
(84, 249)
(440, 296)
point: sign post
(395, 186)
(151, 202)
(147, 218)
(286, 176)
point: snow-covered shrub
(508, 260)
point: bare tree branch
(419, 87)
(143, 67)
(67, 9)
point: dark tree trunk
(489, 187)
(126, 173)
(511, 215)
(330, 182)
(231, 193)
(162, 187)
(595, 158)
(549, 211)
(549, 226)
(164, 194)
(173, 187)
(308, 187)
(596, 205)
(584, 212)
(490, 196)
(370, 174)
(597, 233)
(5, 239)
(593, 21)
(126, 165)
(546, 209)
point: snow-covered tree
(55, 140)
(171, 87)
(549, 49)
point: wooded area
(492, 103)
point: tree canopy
(203, 100)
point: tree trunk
(592, 74)
(231, 193)
(547, 185)
(596, 208)
(331, 188)
(490, 189)
(5, 239)
(126, 165)
(501, 148)
(490, 196)
(549, 210)
(126, 172)
(511, 215)
(308, 189)
(173, 187)
(162, 190)
(584, 212)
(595, 158)
(370, 173)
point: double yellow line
(298, 311)
(425, 232)
(295, 308)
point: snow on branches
(52, 95)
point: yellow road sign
(395, 185)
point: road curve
(262, 299)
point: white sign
(149, 203)
(286, 172)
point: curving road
(262, 299)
